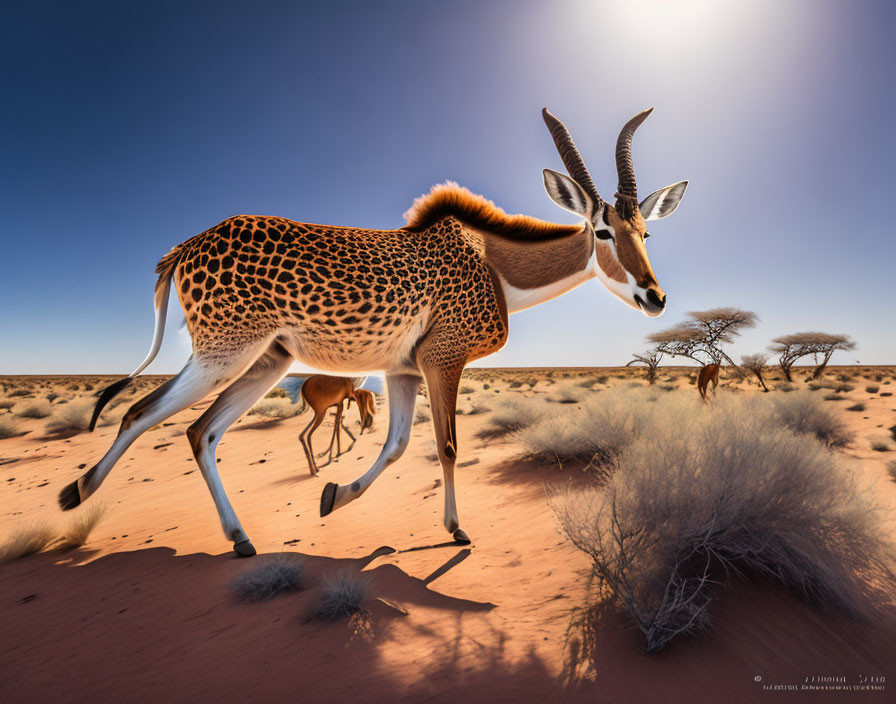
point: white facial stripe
(625, 292)
(622, 291)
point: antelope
(708, 373)
(418, 303)
(321, 393)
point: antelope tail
(165, 270)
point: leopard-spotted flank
(420, 302)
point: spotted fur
(343, 299)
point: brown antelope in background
(419, 303)
(321, 392)
(708, 373)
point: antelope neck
(534, 272)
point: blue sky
(126, 128)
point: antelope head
(620, 257)
(367, 408)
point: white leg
(402, 390)
(198, 379)
(206, 432)
(188, 387)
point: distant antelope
(419, 302)
(321, 393)
(708, 373)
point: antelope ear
(662, 203)
(568, 194)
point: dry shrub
(275, 408)
(421, 416)
(880, 444)
(17, 393)
(277, 392)
(857, 407)
(35, 410)
(6, 404)
(567, 393)
(891, 469)
(26, 540)
(81, 525)
(479, 403)
(600, 429)
(802, 413)
(700, 498)
(342, 595)
(8, 428)
(269, 577)
(512, 413)
(74, 418)
(872, 389)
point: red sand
(143, 612)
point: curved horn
(627, 191)
(572, 160)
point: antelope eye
(603, 234)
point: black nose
(655, 299)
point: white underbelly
(389, 353)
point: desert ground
(144, 610)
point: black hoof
(70, 497)
(244, 548)
(328, 498)
(461, 537)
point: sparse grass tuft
(567, 393)
(597, 431)
(880, 445)
(891, 469)
(512, 413)
(342, 595)
(702, 497)
(277, 392)
(8, 428)
(269, 577)
(857, 407)
(82, 525)
(27, 540)
(6, 404)
(802, 413)
(275, 408)
(74, 418)
(35, 410)
(421, 416)
(872, 389)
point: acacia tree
(754, 363)
(701, 337)
(651, 358)
(821, 345)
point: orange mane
(447, 199)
